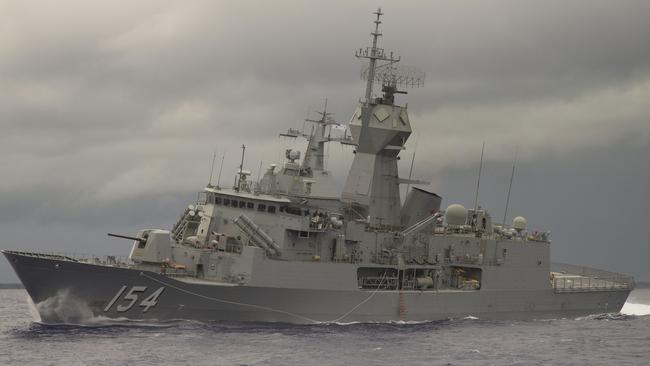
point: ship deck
(565, 278)
(572, 278)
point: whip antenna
(214, 156)
(512, 176)
(478, 181)
(220, 169)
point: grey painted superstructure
(291, 248)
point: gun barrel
(141, 240)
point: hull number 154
(132, 297)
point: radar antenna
(388, 74)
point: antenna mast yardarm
(373, 54)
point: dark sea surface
(607, 339)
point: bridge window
(271, 209)
(242, 204)
(217, 200)
(250, 205)
(261, 207)
(226, 201)
(233, 203)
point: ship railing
(585, 284)
(382, 228)
(440, 230)
(107, 260)
(383, 259)
(572, 269)
(474, 259)
(569, 277)
(469, 231)
(348, 259)
(378, 283)
(410, 285)
(171, 272)
(46, 255)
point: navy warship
(290, 247)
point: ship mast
(315, 152)
(380, 129)
(240, 175)
(373, 54)
(314, 159)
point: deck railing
(584, 284)
(572, 278)
(107, 260)
(378, 283)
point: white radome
(456, 214)
(519, 223)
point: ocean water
(606, 339)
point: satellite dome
(456, 215)
(519, 223)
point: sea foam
(635, 309)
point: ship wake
(66, 308)
(635, 309)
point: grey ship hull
(59, 287)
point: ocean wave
(68, 310)
(388, 322)
(607, 316)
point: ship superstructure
(308, 180)
(291, 248)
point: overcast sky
(110, 111)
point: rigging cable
(261, 307)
